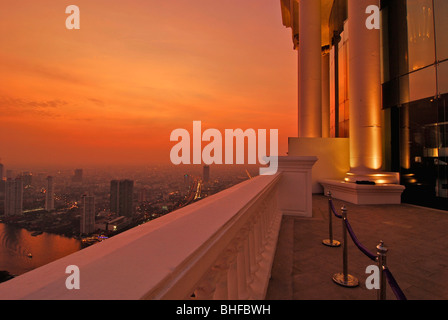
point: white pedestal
(295, 189)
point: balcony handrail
(215, 245)
(174, 256)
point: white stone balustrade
(221, 247)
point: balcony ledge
(166, 258)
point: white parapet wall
(221, 247)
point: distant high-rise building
(27, 179)
(88, 214)
(49, 194)
(2, 189)
(9, 174)
(122, 197)
(77, 176)
(114, 188)
(187, 180)
(142, 195)
(206, 173)
(13, 197)
(126, 198)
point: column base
(363, 194)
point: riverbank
(21, 252)
(63, 224)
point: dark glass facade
(415, 97)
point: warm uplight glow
(378, 178)
(111, 92)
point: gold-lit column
(364, 90)
(405, 132)
(325, 95)
(310, 96)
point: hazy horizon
(111, 93)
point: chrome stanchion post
(382, 251)
(330, 242)
(345, 279)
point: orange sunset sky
(112, 92)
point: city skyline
(134, 72)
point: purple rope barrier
(390, 278)
(334, 210)
(357, 243)
(394, 285)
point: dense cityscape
(92, 205)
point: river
(16, 244)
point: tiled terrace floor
(417, 239)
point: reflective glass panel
(422, 84)
(421, 49)
(441, 25)
(442, 74)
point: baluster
(263, 223)
(206, 290)
(241, 269)
(221, 269)
(225, 269)
(232, 276)
(257, 237)
(252, 253)
(249, 276)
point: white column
(364, 90)
(310, 84)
